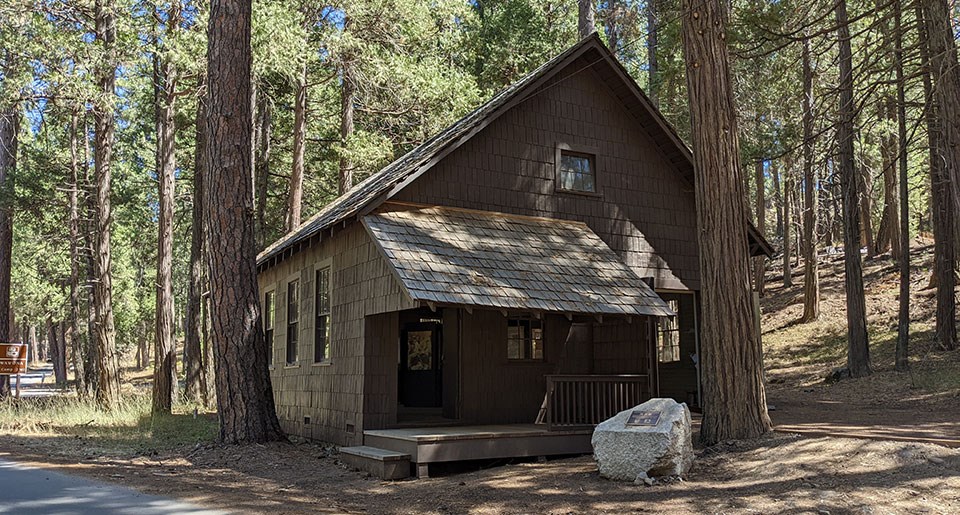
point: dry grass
(128, 430)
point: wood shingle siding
(331, 394)
(644, 209)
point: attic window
(577, 172)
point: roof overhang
(446, 256)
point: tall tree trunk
(811, 273)
(193, 366)
(295, 196)
(788, 197)
(347, 99)
(858, 349)
(865, 186)
(732, 369)
(653, 67)
(165, 356)
(73, 223)
(9, 138)
(946, 78)
(902, 362)
(32, 338)
(209, 386)
(33, 347)
(759, 262)
(90, 358)
(943, 214)
(262, 171)
(57, 353)
(888, 235)
(612, 24)
(586, 24)
(244, 394)
(778, 200)
(108, 381)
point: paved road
(27, 490)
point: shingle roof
(494, 260)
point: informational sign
(644, 418)
(13, 358)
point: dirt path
(778, 474)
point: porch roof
(494, 260)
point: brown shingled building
(501, 288)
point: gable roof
(492, 260)
(370, 193)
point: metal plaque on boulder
(643, 418)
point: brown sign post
(13, 360)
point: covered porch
(531, 331)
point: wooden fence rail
(575, 401)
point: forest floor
(792, 471)
(919, 405)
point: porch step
(382, 463)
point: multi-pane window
(269, 302)
(668, 343)
(321, 342)
(293, 321)
(577, 172)
(524, 339)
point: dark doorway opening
(420, 370)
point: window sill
(324, 363)
(291, 365)
(592, 194)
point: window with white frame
(321, 340)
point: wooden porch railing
(576, 401)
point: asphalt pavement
(29, 490)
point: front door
(419, 372)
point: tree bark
(193, 365)
(73, 224)
(244, 394)
(32, 345)
(57, 354)
(9, 139)
(888, 235)
(734, 400)
(759, 262)
(586, 23)
(108, 381)
(858, 349)
(653, 67)
(165, 356)
(295, 196)
(811, 272)
(902, 361)
(347, 99)
(865, 187)
(941, 209)
(90, 358)
(262, 171)
(946, 81)
(208, 377)
(788, 196)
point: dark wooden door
(419, 374)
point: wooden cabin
(521, 276)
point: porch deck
(427, 445)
